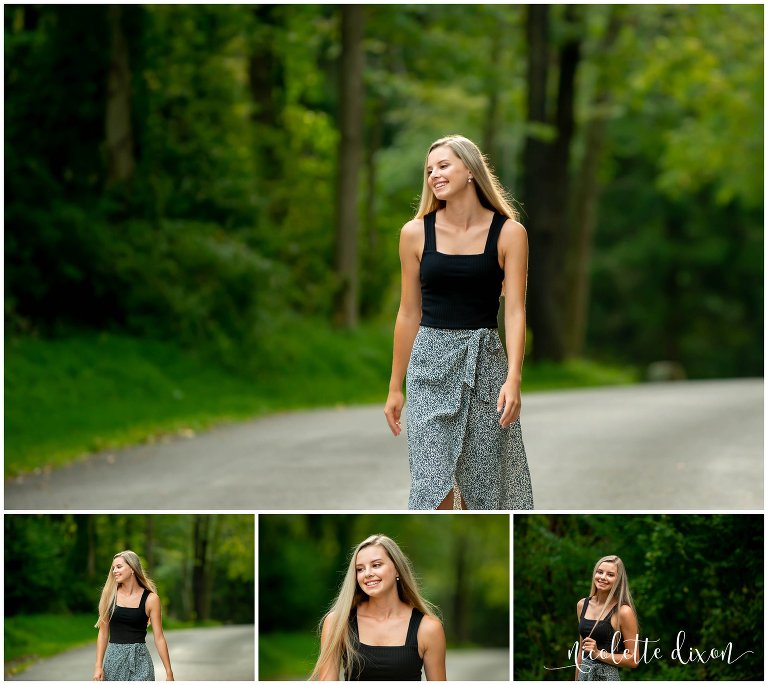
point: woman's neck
(601, 597)
(129, 587)
(383, 607)
(465, 210)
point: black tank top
(460, 291)
(129, 625)
(603, 632)
(388, 663)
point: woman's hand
(168, 676)
(393, 409)
(98, 674)
(589, 645)
(510, 402)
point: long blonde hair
(489, 190)
(619, 590)
(108, 599)
(339, 647)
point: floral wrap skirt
(454, 437)
(591, 669)
(128, 662)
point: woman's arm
(628, 629)
(431, 637)
(513, 250)
(408, 319)
(330, 670)
(156, 619)
(101, 648)
(579, 606)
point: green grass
(70, 397)
(33, 637)
(287, 656)
(575, 373)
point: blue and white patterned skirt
(128, 662)
(454, 437)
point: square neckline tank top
(388, 662)
(603, 632)
(128, 625)
(460, 291)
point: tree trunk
(200, 534)
(119, 136)
(371, 284)
(266, 79)
(461, 598)
(149, 541)
(547, 185)
(350, 156)
(585, 196)
(490, 129)
(90, 560)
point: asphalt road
(223, 653)
(690, 445)
(477, 664)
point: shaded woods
(202, 564)
(701, 574)
(208, 174)
(461, 562)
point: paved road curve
(223, 653)
(694, 445)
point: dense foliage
(462, 563)
(702, 574)
(171, 169)
(202, 564)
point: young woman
(128, 603)
(464, 439)
(607, 624)
(380, 627)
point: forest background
(461, 564)
(203, 202)
(701, 574)
(56, 566)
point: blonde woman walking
(380, 627)
(128, 603)
(462, 248)
(607, 624)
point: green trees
(702, 574)
(188, 171)
(202, 564)
(462, 564)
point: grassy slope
(29, 638)
(78, 395)
(287, 656)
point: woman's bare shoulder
(430, 626)
(329, 619)
(412, 228)
(626, 612)
(513, 228)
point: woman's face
(605, 576)
(120, 570)
(376, 573)
(446, 173)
